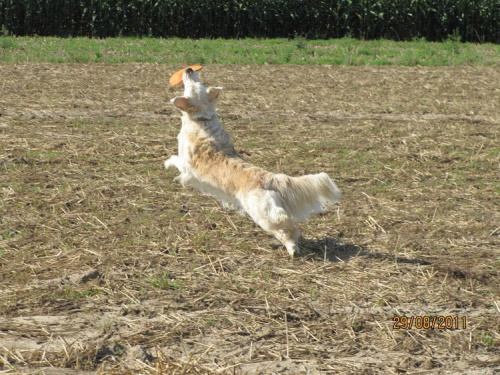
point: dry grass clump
(108, 266)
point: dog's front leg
(175, 161)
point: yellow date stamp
(429, 322)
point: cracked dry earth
(109, 266)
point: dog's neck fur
(207, 124)
(203, 119)
(205, 128)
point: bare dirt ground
(108, 266)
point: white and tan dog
(208, 161)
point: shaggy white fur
(208, 161)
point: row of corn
(434, 20)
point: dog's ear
(213, 94)
(182, 103)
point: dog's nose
(189, 71)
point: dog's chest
(185, 139)
(185, 151)
(195, 140)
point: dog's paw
(173, 161)
(293, 249)
(297, 251)
(230, 206)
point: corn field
(434, 20)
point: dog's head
(198, 102)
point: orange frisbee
(176, 78)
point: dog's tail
(305, 195)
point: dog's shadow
(333, 249)
(330, 249)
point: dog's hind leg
(289, 237)
(266, 209)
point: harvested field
(108, 266)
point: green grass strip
(247, 51)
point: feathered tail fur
(305, 195)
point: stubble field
(109, 266)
